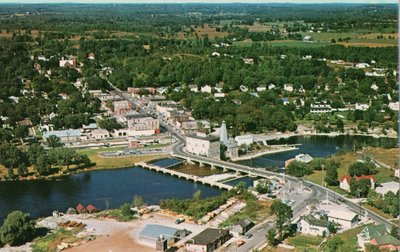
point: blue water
(315, 146)
(167, 162)
(107, 188)
(248, 181)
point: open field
(305, 242)
(387, 156)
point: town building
(288, 87)
(152, 232)
(320, 107)
(72, 135)
(223, 137)
(241, 227)
(232, 151)
(203, 145)
(193, 88)
(100, 134)
(379, 236)
(346, 219)
(121, 107)
(309, 225)
(206, 89)
(361, 106)
(261, 88)
(308, 39)
(140, 122)
(304, 158)
(208, 240)
(67, 63)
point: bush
(17, 229)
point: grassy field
(305, 242)
(377, 211)
(386, 156)
(349, 238)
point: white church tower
(223, 134)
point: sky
(198, 1)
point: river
(111, 188)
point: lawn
(305, 242)
(377, 211)
(349, 238)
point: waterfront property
(203, 145)
(151, 233)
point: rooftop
(154, 231)
(315, 222)
(207, 137)
(62, 133)
(208, 236)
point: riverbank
(264, 152)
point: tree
(21, 132)
(17, 228)
(262, 187)
(298, 169)
(54, 141)
(362, 168)
(283, 214)
(340, 125)
(332, 227)
(197, 195)
(137, 201)
(126, 211)
(360, 187)
(109, 124)
(331, 177)
(42, 164)
(270, 237)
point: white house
(261, 88)
(203, 145)
(394, 106)
(219, 87)
(288, 87)
(219, 95)
(308, 39)
(215, 54)
(397, 173)
(346, 219)
(271, 86)
(243, 88)
(345, 183)
(388, 187)
(309, 225)
(193, 88)
(362, 106)
(362, 65)
(206, 89)
(374, 87)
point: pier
(194, 178)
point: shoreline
(263, 153)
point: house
(362, 65)
(241, 227)
(208, 240)
(397, 173)
(219, 95)
(288, 87)
(374, 87)
(307, 57)
(188, 127)
(304, 158)
(248, 61)
(308, 39)
(219, 87)
(244, 139)
(203, 145)
(193, 88)
(100, 134)
(92, 209)
(91, 56)
(346, 219)
(81, 209)
(388, 187)
(89, 127)
(379, 236)
(285, 101)
(261, 88)
(320, 107)
(271, 86)
(152, 232)
(361, 106)
(143, 122)
(309, 225)
(243, 88)
(215, 54)
(394, 106)
(206, 89)
(346, 180)
(67, 63)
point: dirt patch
(121, 241)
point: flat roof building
(203, 145)
(207, 241)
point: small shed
(241, 227)
(92, 209)
(81, 209)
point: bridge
(184, 175)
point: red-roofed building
(81, 209)
(92, 209)
(345, 181)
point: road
(317, 192)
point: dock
(194, 178)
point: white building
(362, 65)
(244, 139)
(271, 86)
(219, 95)
(345, 219)
(261, 88)
(362, 106)
(100, 134)
(388, 187)
(202, 144)
(397, 173)
(243, 88)
(143, 122)
(193, 88)
(394, 106)
(304, 158)
(309, 225)
(206, 89)
(320, 107)
(288, 87)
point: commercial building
(207, 241)
(121, 107)
(64, 135)
(203, 145)
(153, 232)
(141, 122)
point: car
(341, 199)
(248, 236)
(240, 243)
